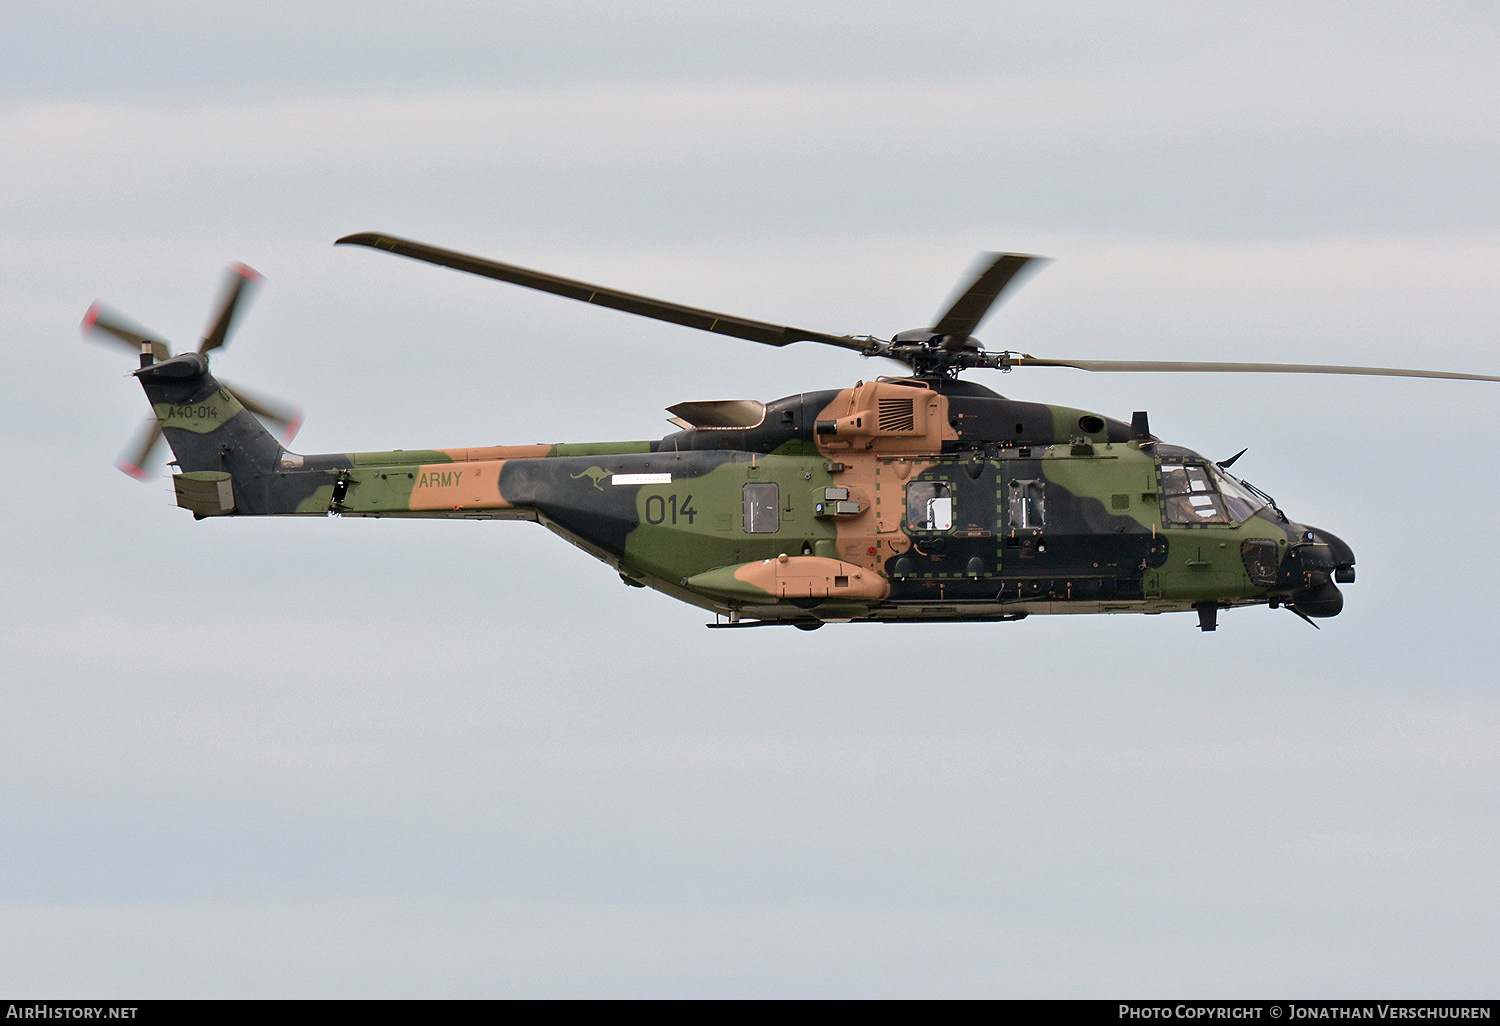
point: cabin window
(762, 507)
(1189, 495)
(1026, 504)
(929, 506)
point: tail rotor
(105, 325)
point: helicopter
(918, 498)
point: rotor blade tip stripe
(248, 273)
(90, 317)
(134, 471)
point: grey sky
(324, 757)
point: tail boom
(230, 464)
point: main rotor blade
(645, 306)
(134, 460)
(286, 417)
(100, 321)
(996, 271)
(240, 276)
(1021, 360)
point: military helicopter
(918, 498)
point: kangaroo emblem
(595, 475)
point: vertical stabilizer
(225, 457)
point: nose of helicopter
(1318, 562)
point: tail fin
(225, 456)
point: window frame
(757, 511)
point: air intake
(897, 415)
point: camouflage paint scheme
(1041, 509)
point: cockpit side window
(1189, 495)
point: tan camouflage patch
(457, 486)
(874, 535)
(497, 452)
(886, 418)
(814, 577)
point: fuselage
(894, 500)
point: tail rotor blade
(240, 277)
(286, 417)
(137, 458)
(103, 323)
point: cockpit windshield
(1240, 499)
(1202, 493)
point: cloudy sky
(314, 757)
